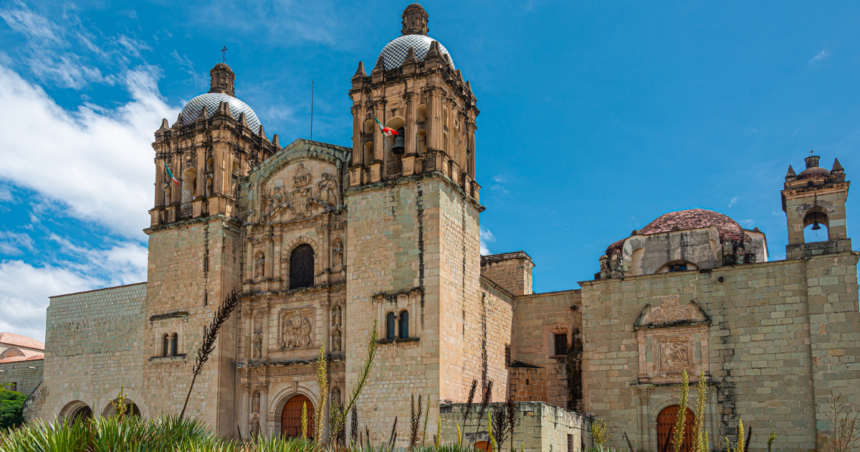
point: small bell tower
(816, 197)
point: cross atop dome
(415, 20)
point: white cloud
(12, 243)
(820, 56)
(486, 237)
(25, 288)
(499, 184)
(286, 21)
(733, 201)
(748, 223)
(96, 162)
(5, 194)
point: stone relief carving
(674, 356)
(301, 204)
(328, 190)
(672, 312)
(303, 176)
(296, 329)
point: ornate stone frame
(283, 313)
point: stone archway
(291, 417)
(665, 423)
(75, 411)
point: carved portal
(296, 328)
(673, 337)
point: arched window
(636, 261)
(389, 326)
(189, 185)
(816, 226)
(422, 114)
(165, 345)
(174, 344)
(404, 324)
(302, 267)
(368, 153)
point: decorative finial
(811, 153)
(224, 54)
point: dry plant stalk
(469, 402)
(426, 417)
(393, 434)
(500, 423)
(322, 380)
(414, 421)
(698, 429)
(485, 400)
(354, 427)
(438, 433)
(210, 335)
(846, 428)
(678, 439)
(512, 417)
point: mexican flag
(170, 174)
(387, 131)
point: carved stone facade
(324, 241)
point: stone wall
(513, 271)
(540, 427)
(24, 375)
(192, 266)
(537, 319)
(773, 339)
(92, 347)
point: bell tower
(413, 229)
(816, 197)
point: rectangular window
(569, 443)
(508, 355)
(561, 344)
(13, 386)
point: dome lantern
(222, 78)
(415, 20)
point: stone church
(323, 240)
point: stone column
(378, 149)
(245, 408)
(434, 118)
(266, 332)
(201, 171)
(159, 179)
(411, 129)
(357, 130)
(263, 389)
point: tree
(11, 408)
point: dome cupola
(414, 34)
(221, 89)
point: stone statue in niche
(210, 187)
(296, 333)
(258, 347)
(234, 189)
(255, 403)
(675, 356)
(337, 252)
(328, 190)
(335, 397)
(336, 316)
(260, 265)
(336, 341)
(303, 176)
(254, 427)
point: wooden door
(665, 422)
(482, 446)
(291, 417)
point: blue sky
(597, 117)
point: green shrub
(11, 408)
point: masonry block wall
(539, 427)
(513, 271)
(92, 349)
(537, 319)
(192, 267)
(773, 356)
(24, 375)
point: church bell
(398, 147)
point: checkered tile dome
(395, 52)
(211, 101)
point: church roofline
(96, 290)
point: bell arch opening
(816, 225)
